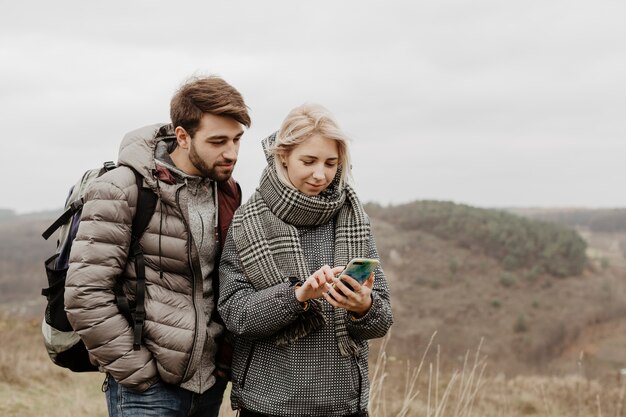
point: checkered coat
(308, 377)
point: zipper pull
(105, 383)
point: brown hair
(200, 95)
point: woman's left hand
(358, 300)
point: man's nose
(231, 151)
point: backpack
(63, 344)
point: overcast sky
(488, 103)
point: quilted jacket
(175, 326)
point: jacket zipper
(245, 370)
(193, 286)
(359, 370)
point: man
(188, 164)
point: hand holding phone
(359, 269)
(357, 301)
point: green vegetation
(507, 280)
(533, 273)
(453, 266)
(597, 220)
(604, 263)
(520, 325)
(516, 242)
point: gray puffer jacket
(175, 325)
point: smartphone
(359, 269)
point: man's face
(213, 149)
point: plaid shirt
(309, 377)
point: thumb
(370, 281)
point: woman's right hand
(315, 285)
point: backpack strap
(76, 205)
(63, 218)
(146, 204)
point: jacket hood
(137, 149)
(148, 149)
(268, 146)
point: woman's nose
(318, 173)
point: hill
(596, 220)
(450, 270)
(515, 242)
(22, 255)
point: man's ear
(182, 137)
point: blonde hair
(302, 122)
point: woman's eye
(307, 162)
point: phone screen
(359, 269)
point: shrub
(520, 325)
(516, 242)
(507, 280)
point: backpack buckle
(76, 205)
(109, 165)
(137, 332)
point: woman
(300, 343)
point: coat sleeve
(97, 259)
(246, 311)
(377, 321)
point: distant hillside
(6, 214)
(596, 220)
(450, 270)
(530, 320)
(22, 255)
(515, 242)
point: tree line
(516, 242)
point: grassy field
(30, 385)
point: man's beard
(205, 170)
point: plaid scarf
(268, 243)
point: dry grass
(426, 391)
(30, 385)
(428, 394)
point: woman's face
(312, 165)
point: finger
(356, 286)
(337, 270)
(340, 287)
(336, 292)
(331, 300)
(327, 273)
(311, 283)
(370, 281)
